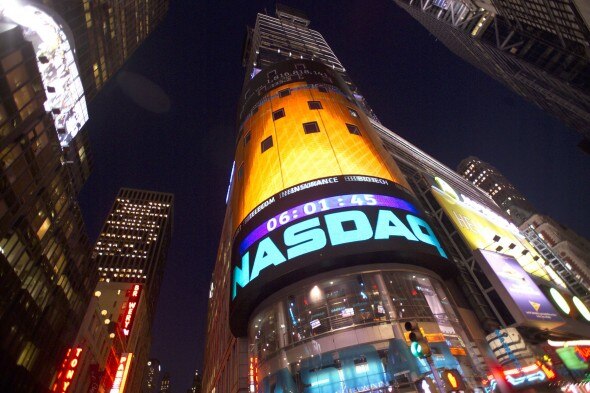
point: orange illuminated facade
(299, 132)
(67, 371)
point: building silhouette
(539, 51)
(48, 276)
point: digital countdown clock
(321, 205)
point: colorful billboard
(481, 228)
(525, 301)
(313, 189)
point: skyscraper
(152, 376)
(79, 46)
(131, 255)
(133, 244)
(539, 50)
(498, 187)
(568, 252)
(47, 275)
(337, 230)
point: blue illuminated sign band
(322, 205)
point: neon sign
(129, 314)
(335, 229)
(253, 373)
(67, 371)
(57, 65)
(583, 353)
(121, 375)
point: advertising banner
(481, 228)
(527, 304)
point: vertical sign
(67, 371)
(253, 374)
(129, 314)
(121, 375)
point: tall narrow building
(538, 49)
(337, 231)
(133, 244)
(47, 276)
(115, 339)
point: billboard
(481, 228)
(121, 374)
(313, 189)
(527, 304)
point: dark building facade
(151, 379)
(338, 231)
(47, 275)
(538, 49)
(94, 39)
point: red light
(67, 371)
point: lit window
(353, 129)
(353, 113)
(266, 144)
(278, 114)
(314, 105)
(311, 127)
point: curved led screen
(313, 189)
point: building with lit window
(116, 333)
(555, 241)
(491, 181)
(151, 380)
(79, 45)
(538, 49)
(197, 383)
(133, 243)
(47, 275)
(338, 231)
(165, 384)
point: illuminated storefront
(343, 333)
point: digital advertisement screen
(479, 227)
(302, 234)
(527, 304)
(313, 189)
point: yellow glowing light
(560, 301)
(582, 308)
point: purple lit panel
(322, 205)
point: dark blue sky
(174, 131)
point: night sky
(166, 122)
